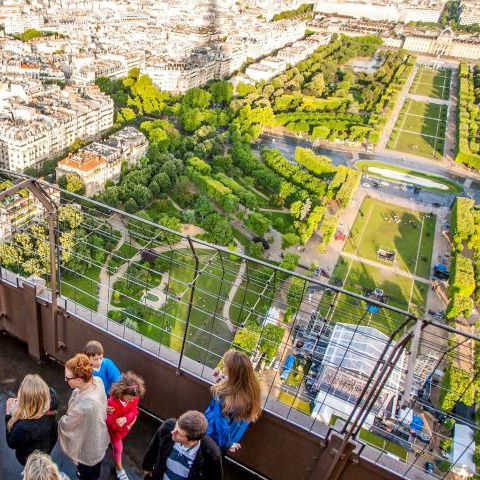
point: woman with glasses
(82, 431)
(31, 418)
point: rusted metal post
(190, 305)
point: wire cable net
(404, 387)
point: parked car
(366, 185)
(429, 467)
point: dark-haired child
(123, 411)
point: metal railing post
(190, 305)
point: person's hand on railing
(235, 448)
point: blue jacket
(223, 430)
(109, 374)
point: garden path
(387, 130)
(423, 98)
(396, 270)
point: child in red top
(122, 413)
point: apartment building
(18, 23)
(37, 129)
(20, 209)
(469, 12)
(445, 43)
(378, 10)
(97, 163)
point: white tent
(462, 452)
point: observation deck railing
(397, 384)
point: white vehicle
(276, 364)
(384, 183)
(366, 185)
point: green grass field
(413, 244)
(376, 228)
(206, 331)
(82, 288)
(281, 221)
(358, 277)
(432, 83)
(420, 129)
(254, 292)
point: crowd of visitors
(190, 447)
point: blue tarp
(417, 423)
(288, 367)
(372, 309)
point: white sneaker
(122, 475)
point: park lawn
(120, 256)
(256, 292)
(365, 165)
(137, 283)
(208, 330)
(243, 239)
(420, 129)
(424, 262)
(296, 403)
(432, 83)
(157, 210)
(425, 109)
(375, 228)
(379, 442)
(362, 277)
(82, 288)
(286, 218)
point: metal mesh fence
(404, 387)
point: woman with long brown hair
(31, 418)
(236, 402)
(82, 431)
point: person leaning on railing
(235, 403)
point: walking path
(396, 270)
(231, 295)
(275, 210)
(387, 130)
(423, 98)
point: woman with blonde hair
(82, 431)
(235, 403)
(40, 466)
(31, 418)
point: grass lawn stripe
(403, 123)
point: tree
(203, 207)
(222, 92)
(289, 240)
(255, 249)
(125, 115)
(270, 340)
(163, 181)
(141, 195)
(258, 223)
(246, 339)
(73, 183)
(131, 205)
(196, 98)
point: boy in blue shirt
(103, 368)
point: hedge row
(275, 160)
(467, 119)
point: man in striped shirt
(180, 450)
